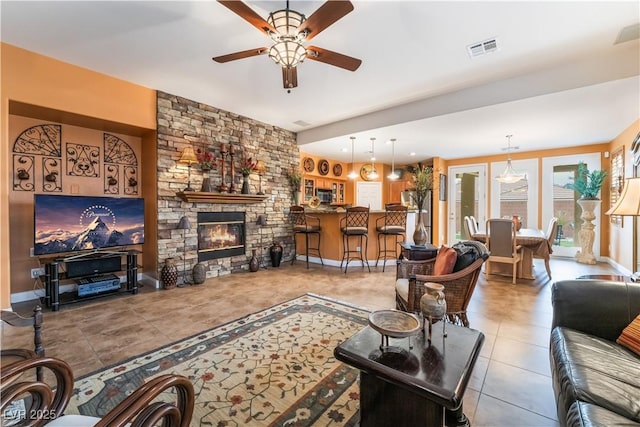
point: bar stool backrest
(299, 219)
(356, 220)
(394, 219)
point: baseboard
(335, 263)
(617, 266)
(35, 294)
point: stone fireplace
(220, 235)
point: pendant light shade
(509, 176)
(373, 173)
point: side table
(411, 384)
(417, 253)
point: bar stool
(355, 224)
(307, 225)
(393, 223)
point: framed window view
(443, 187)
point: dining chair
(552, 230)
(501, 243)
(469, 227)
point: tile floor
(511, 383)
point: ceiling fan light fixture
(288, 53)
(286, 23)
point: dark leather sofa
(596, 381)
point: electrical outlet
(37, 272)
(31, 253)
(357, 248)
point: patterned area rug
(271, 368)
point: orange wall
(37, 80)
(621, 239)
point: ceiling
(557, 79)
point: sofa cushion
(582, 414)
(445, 261)
(630, 336)
(594, 370)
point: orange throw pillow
(445, 261)
(630, 336)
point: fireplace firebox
(220, 235)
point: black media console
(92, 274)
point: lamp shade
(188, 155)
(629, 201)
(261, 168)
(184, 223)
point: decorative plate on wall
(323, 167)
(337, 169)
(365, 170)
(308, 164)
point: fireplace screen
(220, 234)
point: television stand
(54, 275)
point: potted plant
(294, 176)
(422, 181)
(587, 184)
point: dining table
(534, 243)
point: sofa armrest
(596, 307)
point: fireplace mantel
(222, 198)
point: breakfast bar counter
(331, 243)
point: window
(617, 180)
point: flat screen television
(85, 223)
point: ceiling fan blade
(246, 13)
(333, 58)
(290, 77)
(240, 55)
(327, 14)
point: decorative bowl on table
(394, 323)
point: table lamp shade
(629, 201)
(184, 224)
(188, 156)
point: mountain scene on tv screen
(68, 225)
(96, 235)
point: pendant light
(373, 174)
(352, 174)
(510, 176)
(393, 175)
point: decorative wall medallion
(323, 167)
(44, 140)
(337, 169)
(365, 170)
(308, 164)
(23, 179)
(51, 175)
(83, 160)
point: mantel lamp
(261, 168)
(189, 157)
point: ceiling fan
(289, 30)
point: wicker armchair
(49, 401)
(458, 286)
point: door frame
(481, 170)
(593, 161)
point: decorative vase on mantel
(420, 235)
(245, 184)
(586, 235)
(206, 181)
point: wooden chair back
(501, 238)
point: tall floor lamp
(628, 204)
(184, 224)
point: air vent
(483, 47)
(301, 123)
(631, 32)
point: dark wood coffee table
(412, 383)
